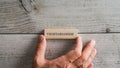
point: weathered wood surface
(32, 16)
(16, 51)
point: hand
(74, 59)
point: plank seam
(78, 33)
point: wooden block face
(60, 33)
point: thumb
(41, 47)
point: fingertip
(79, 37)
(92, 43)
(42, 43)
(42, 37)
(78, 40)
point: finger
(79, 45)
(87, 51)
(41, 47)
(85, 55)
(92, 55)
(72, 56)
(90, 66)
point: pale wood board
(17, 50)
(61, 33)
(32, 16)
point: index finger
(74, 54)
(79, 45)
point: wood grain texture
(32, 16)
(17, 51)
(13, 18)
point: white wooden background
(21, 22)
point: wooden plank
(17, 51)
(26, 16)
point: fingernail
(41, 37)
(79, 37)
(92, 42)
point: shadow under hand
(55, 48)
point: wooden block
(60, 33)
